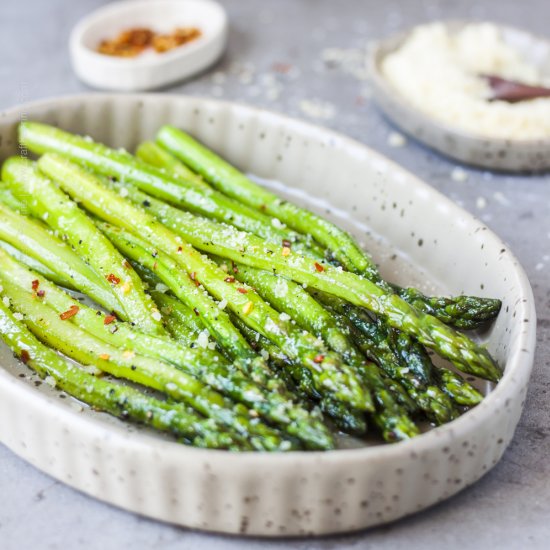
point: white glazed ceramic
(298, 493)
(149, 70)
(515, 155)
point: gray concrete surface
(275, 60)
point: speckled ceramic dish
(515, 155)
(298, 493)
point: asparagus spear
(35, 265)
(49, 203)
(115, 399)
(326, 368)
(207, 366)
(41, 138)
(224, 177)
(31, 238)
(409, 354)
(250, 250)
(465, 312)
(158, 157)
(461, 311)
(175, 321)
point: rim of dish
(95, 17)
(519, 363)
(379, 49)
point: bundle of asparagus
(258, 324)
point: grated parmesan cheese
(438, 72)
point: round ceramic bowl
(404, 222)
(148, 70)
(514, 155)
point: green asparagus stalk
(118, 400)
(32, 238)
(41, 138)
(207, 366)
(158, 157)
(326, 368)
(408, 353)
(460, 311)
(224, 177)
(49, 203)
(36, 265)
(176, 322)
(7, 199)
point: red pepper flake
(180, 249)
(229, 279)
(71, 312)
(193, 277)
(25, 357)
(113, 279)
(319, 267)
(196, 311)
(318, 358)
(41, 293)
(35, 284)
(242, 290)
(109, 319)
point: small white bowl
(150, 69)
(513, 155)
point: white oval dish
(149, 70)
(514, 155)
(297, 493)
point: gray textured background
(510, 507)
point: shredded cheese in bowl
(440, 72)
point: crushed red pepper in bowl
(133, 42)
